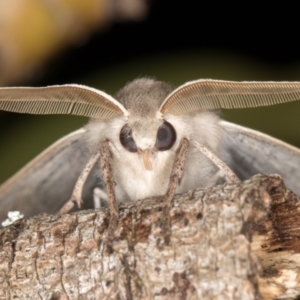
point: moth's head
(148, 118)
(145, 131)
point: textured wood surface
(235, 241)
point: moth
(143, 126)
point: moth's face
(145, 132)
(146, 137)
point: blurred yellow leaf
(32, 30)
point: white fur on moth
(143, 107)
(133, 180)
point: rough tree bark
(235, 241)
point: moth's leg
(176, 171)
(106, 162)
(231, 177)
(99, 196)
(173, 183)
(77, 192)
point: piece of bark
(209, 256)
(276, 243)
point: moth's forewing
(253, 152)
(47, 182)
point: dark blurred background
(175, 41)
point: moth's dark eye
(166, 137)
(127, 140)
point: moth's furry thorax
(143, 97)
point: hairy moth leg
(77, 192)
(231, 177)
(173, 183)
